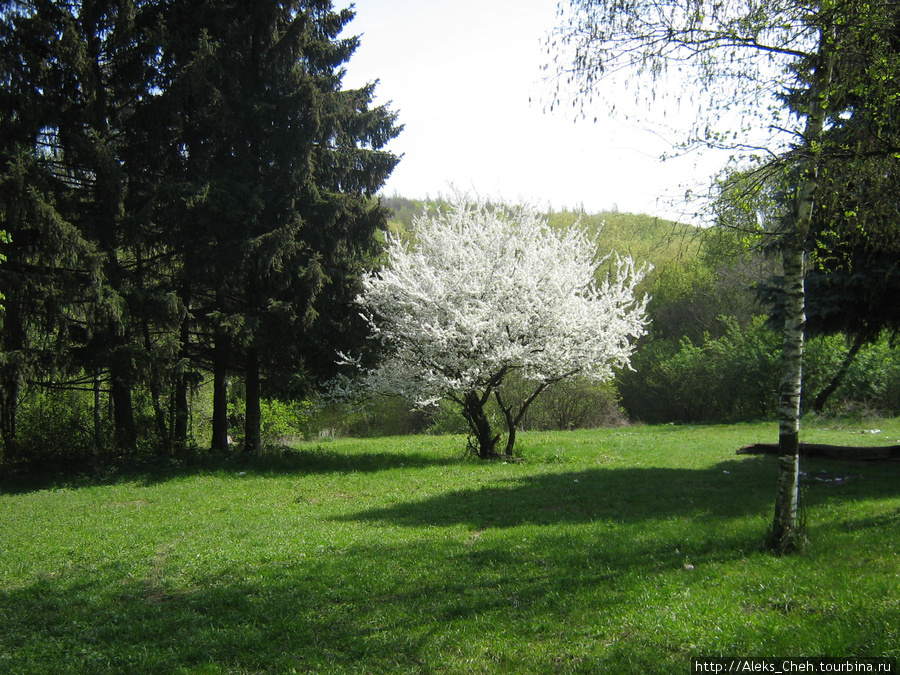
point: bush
(387, 416)
(576, 404)
(55, 430)
(873, 380)
(447, 419)
(568, 404)
(283, 422)
(730, 377)
(736, 376)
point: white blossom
(485, 289)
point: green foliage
(56, 430)
(615, 551)
(574, 403)
(4, 239)
(735, 375)
(732, 376)
(448, 419)
(284, 423)
(644, 238)
(386, 416)
(873, 380)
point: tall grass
(626, 550)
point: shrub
(55, 430)
(576, 404)
(729, 377)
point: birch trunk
(785, 531)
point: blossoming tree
(484, 290)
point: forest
(188, 197)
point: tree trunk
(123, 412)
(11, 374)
(850, 453)
(510, 426)
(180, 404)
(154, 381)
(473, 411)
(826, 393)
(98, 411)
(154, 377)
(785, 532)
(10, 391)
(253, 418)
(220, 396)
(180, 412)
(513, 422)
(121, 372)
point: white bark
(784, 528)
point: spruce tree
(284, 165)
(49, 264)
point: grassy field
(621, 551)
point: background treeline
(187, 194)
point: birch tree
(486, 290)
(763, 66)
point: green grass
(619, 551)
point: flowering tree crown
(483, 289)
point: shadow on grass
(625, 495)
(432, 605)
(287, 461)
(730, 489)
(426, 606)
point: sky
(465, 78)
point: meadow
(623, 550)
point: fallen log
(846, 452)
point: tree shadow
(399, 606)
(623, 495)
(287, 461)
(371, 608)
(376, 607)
(730, 489)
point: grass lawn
(615, 551)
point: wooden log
(845, 452)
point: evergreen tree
(108, 66)
(187, 187)
(284, 165)
(50, 265)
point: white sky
(465, 77)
